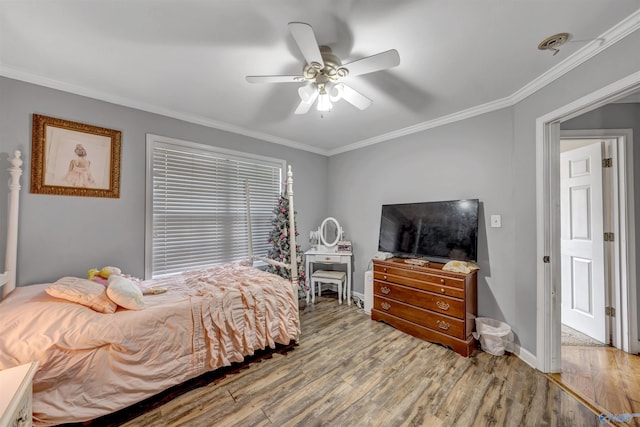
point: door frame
(548, 223)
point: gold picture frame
(74, 159)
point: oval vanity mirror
(330, 232)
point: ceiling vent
(552, 43)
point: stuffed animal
(102, 276)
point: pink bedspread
(92, 364)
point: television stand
(416, 261)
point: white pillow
(125, 293)
(82, 291)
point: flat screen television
(436, 231)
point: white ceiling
(188, 59)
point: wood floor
(350, 371)
(606, 379)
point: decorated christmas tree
(279, 238)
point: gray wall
(65, 235)
(617, 116)
(491, 157)
(464, 160)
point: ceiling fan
(324, 71)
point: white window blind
(198, 205)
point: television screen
(437, 231)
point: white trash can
(495, 336)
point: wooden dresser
(426, 302)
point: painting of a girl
(74, 159)
(79, 174)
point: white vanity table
(325, 251)
(328, 256)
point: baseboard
(527, 357)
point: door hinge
(546, 259)
(607, 163)
(610, 311)
(609, 237)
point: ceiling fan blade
(305, 38)
(274, 79)
(304, 107)
(355, 98)
(370, 64)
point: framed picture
(74, 159)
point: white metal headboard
(8, 278)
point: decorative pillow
(465, 267)
(82, 291)
(125, 293)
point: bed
(92, 363)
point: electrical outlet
(496, 221)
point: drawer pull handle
(385, 305)
(385, 277)
(442, 305)
(442, 281)
(327, 259)
(385, 290)
(443, 325)
(442, 290)
(385, 269)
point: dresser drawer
(439, 303)
(327, 258)
(419, 284)
(423, 276)
(443, 324)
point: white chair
(329, 277)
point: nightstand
(15, 399)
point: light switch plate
(496, 221)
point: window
(197, 207)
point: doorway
(588, 194)
(548, 238)
(594, 370)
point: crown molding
(616, 33)
(127, 102)
(440, 121)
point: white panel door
(582, 241)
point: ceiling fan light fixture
(324, 103)
(324, 100)
(323, 70)
(307, 93)
(335, 92)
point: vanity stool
(327, 276)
